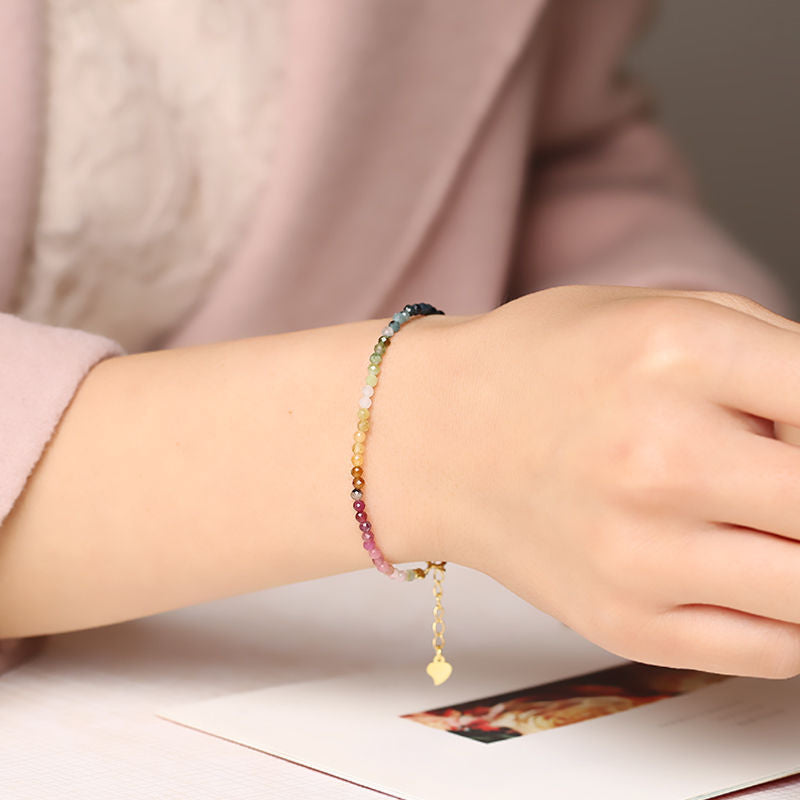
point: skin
(606, 453)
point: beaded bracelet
(439, 670)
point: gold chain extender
(439, 670)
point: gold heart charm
(439, 670)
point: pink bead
(385, 568)
(365, 526)
(369, 544)
(376, 555)
(368, 536)
(361, 516)
(358, 505)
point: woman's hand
(611, 458)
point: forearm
(184, 475)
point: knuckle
(665, 337)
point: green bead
(371, 380)
(374, 369)
(375, 358)
(385, 340)
(380, 349)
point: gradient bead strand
(360, 437)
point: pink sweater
(462, 153)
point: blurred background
(726, 78)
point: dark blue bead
(409, 309)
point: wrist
(411, 439)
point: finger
(749, 571)
(752, 481)
(748, 363)
(748, 306)
(721, 640)
(787, 433)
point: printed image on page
(565, 702)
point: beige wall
(727, 73)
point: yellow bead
(363, 425)
(358, 447)
(363, 413)
(357, 460)
(359, 436)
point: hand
(610, 457)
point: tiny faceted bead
(361, 516)
(358, 483)
(363, 425)
(357, 472)
(367, 545)
(356, 494)
(385, 568)
(363, 413)
(380, 349)
(375, 359)
(388, 332)
(359, 436)
(365, 402)
(394, 325)
(385, 341)
(368, 390)
(375, 370)
(358, 505)
(359, 447)
(366, 527)
(368, 536)
(371, 379)
(357, 460)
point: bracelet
(438, 669)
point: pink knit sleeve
(41, 369)
(611, 200)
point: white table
(78, 720)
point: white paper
(728, 735)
